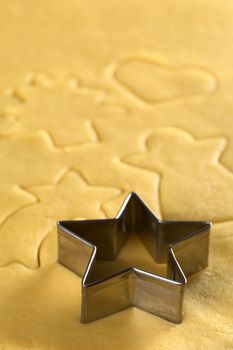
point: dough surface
(97, 99)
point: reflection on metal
(182, 245)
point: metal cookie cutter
(183, 245)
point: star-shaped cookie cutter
(183, 245)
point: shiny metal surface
(182, 245)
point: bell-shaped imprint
(152, 81)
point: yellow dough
(97, 99)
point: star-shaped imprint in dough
(70, 197)
(182, 245)
(65, 109)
